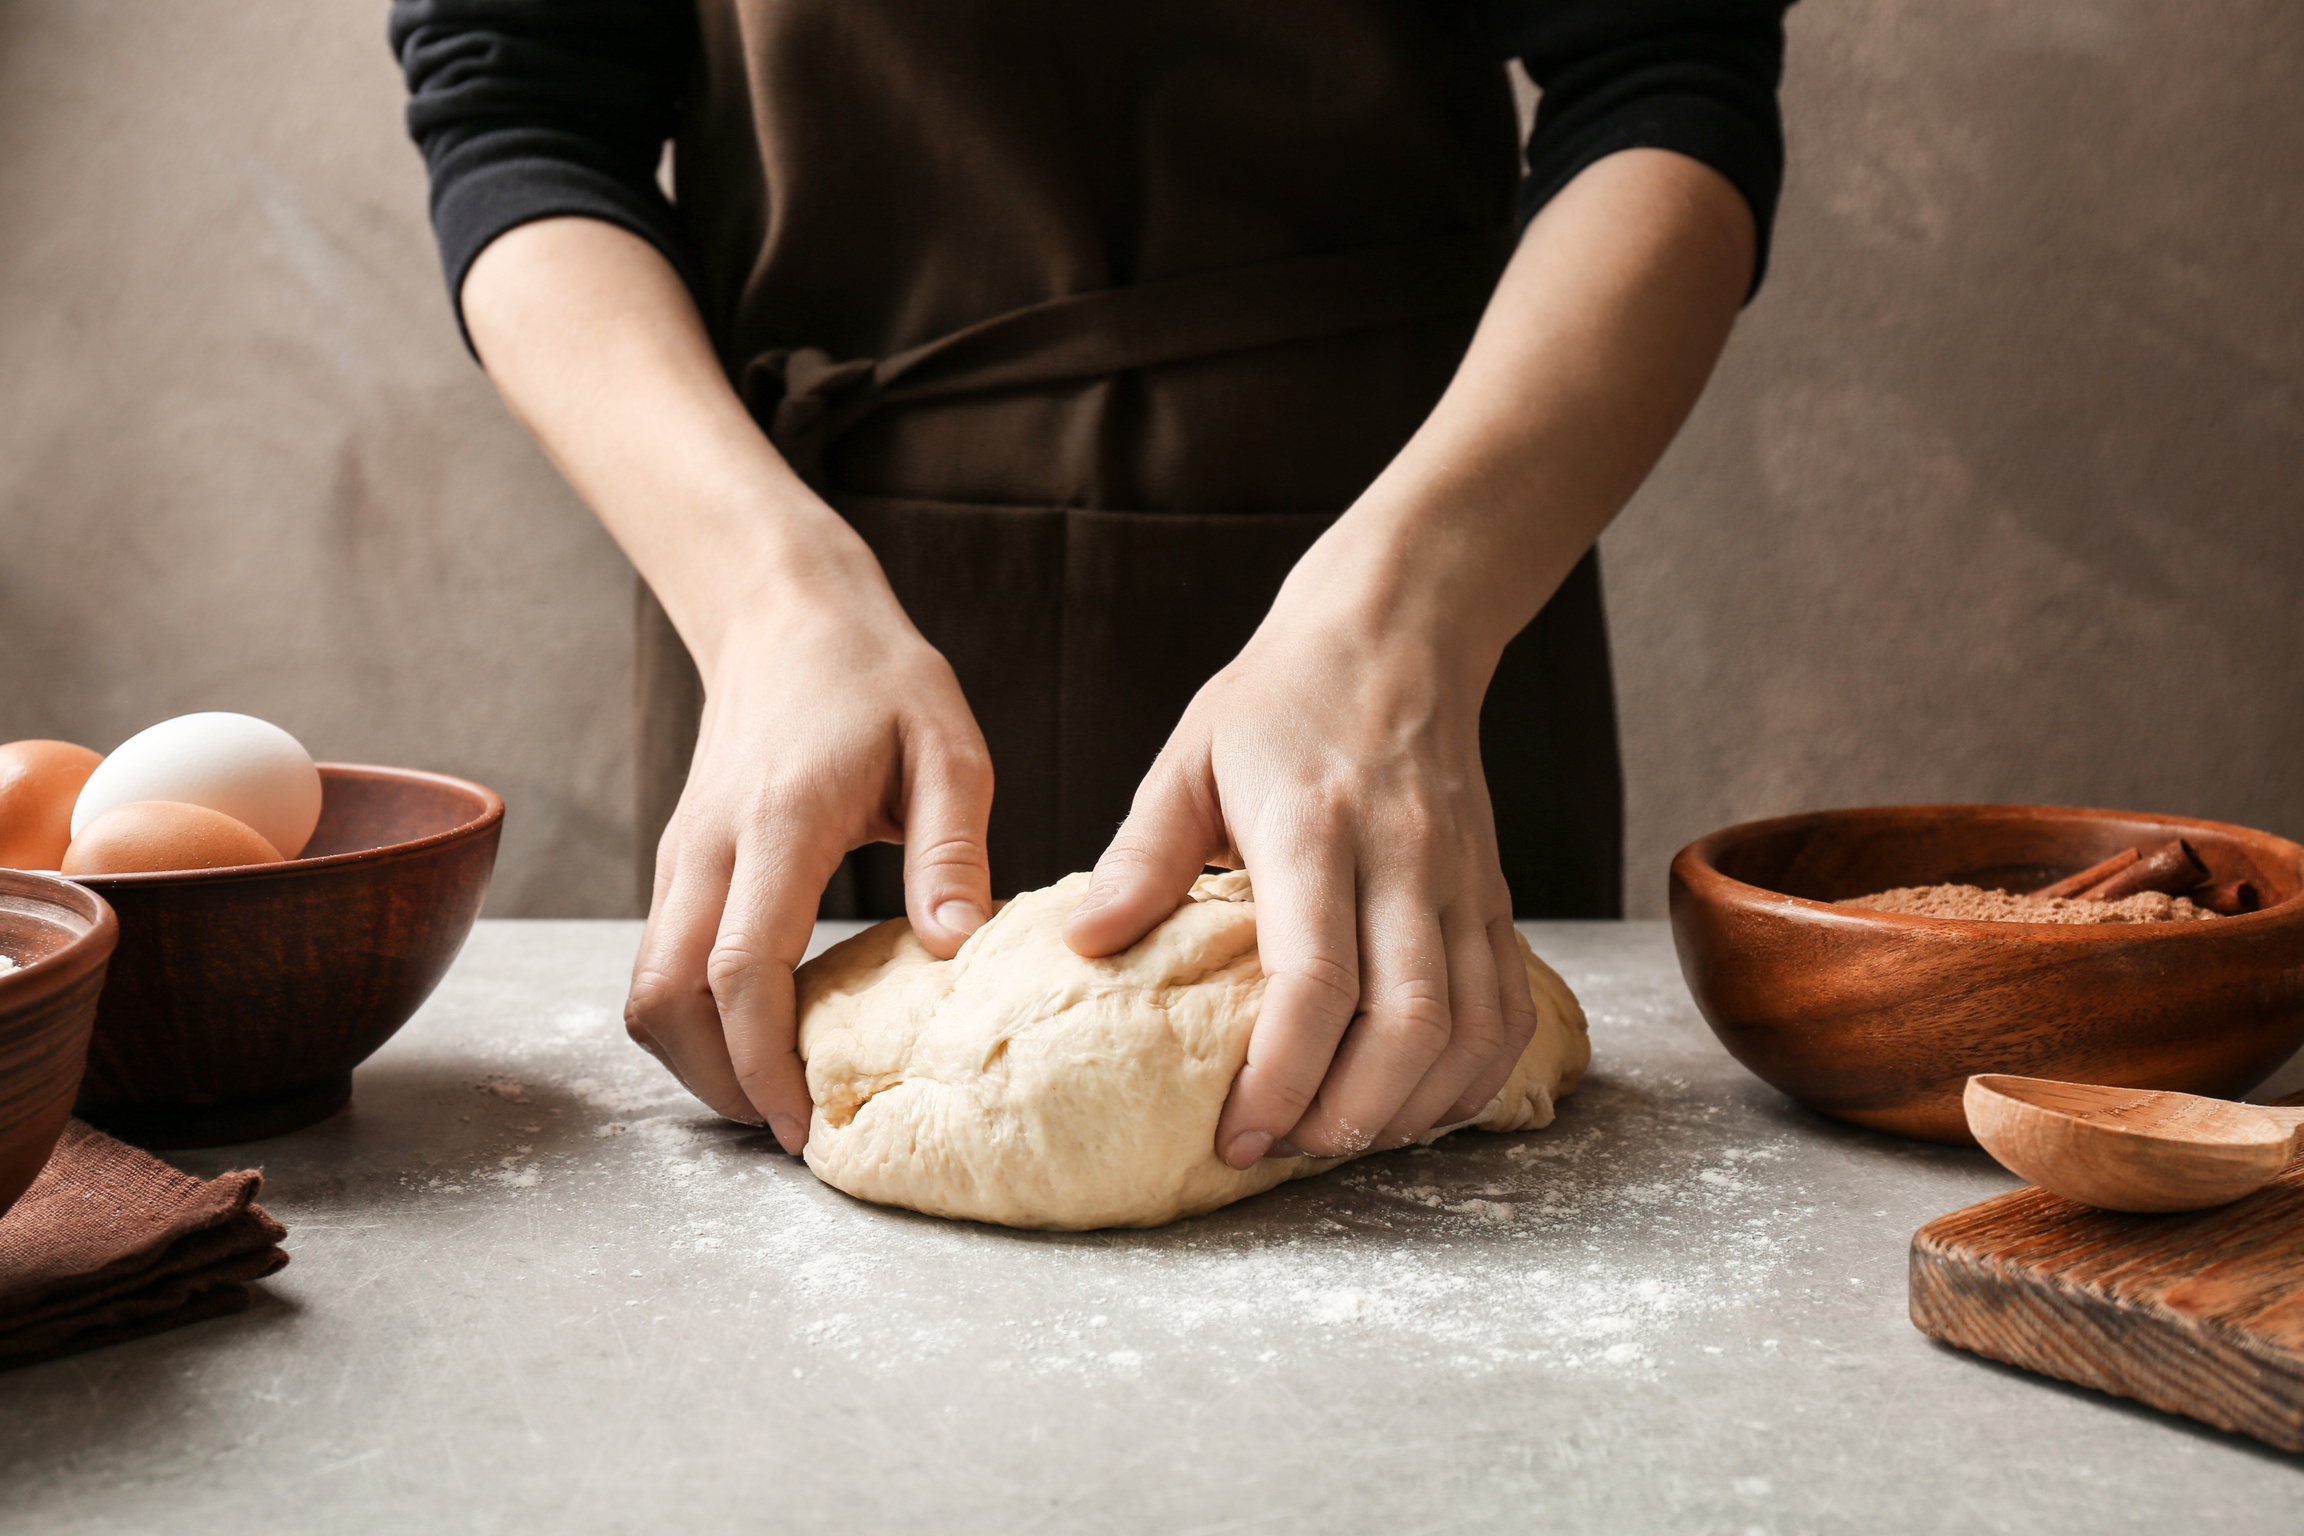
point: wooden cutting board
(2200, 1313)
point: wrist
(766, 566)
(1419, 579)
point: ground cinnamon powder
(1975, 904)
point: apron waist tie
(808, 399)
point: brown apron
(1090, 319)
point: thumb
(947, 879)
(1158, 852)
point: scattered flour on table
(1543, 1249)
(1629, 1236)
(512, 1175)
(618, 1098)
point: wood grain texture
(61, 936)
(1880, 1018)
(2199, 1314)
(2130, 1149)
(241, 999)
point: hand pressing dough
(1022, 1084)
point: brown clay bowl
(1879, 1018)
(241, 999)
(60, 937)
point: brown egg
(151, 835)
(39, 783)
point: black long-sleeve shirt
(532, 109)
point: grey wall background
(1995, 496)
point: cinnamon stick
(2170, 868)
(2073, 885)
(2227, 898)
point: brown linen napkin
(110, 1243)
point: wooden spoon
(2130, 1149)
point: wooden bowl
(60, 937)
(241, 999)
(1880, 1018)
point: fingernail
(960, 916)
(791, 1135)
(1096, 897)
(1246, 1148)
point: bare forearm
(1591, 354)
(828, 722)
(1339, 757)
(598, 349)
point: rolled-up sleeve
(534, 109)
(1695, 76)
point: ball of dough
(1022, 1084)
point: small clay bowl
(1879, 1018)
(241, 999)
(60, 937)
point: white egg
(249, 769)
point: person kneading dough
(1021, 1083)
(1197, 417)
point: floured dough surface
(1020, 1083)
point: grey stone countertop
(535, 1289)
